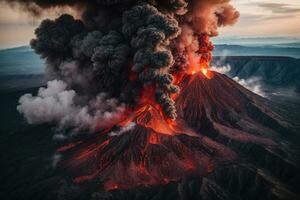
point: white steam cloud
(55, 159)
(56, 104)
(123, 129)
(223, 69)
(253, 84)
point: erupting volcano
(156, 150)
(136, 74)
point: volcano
(145, 149)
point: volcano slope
(225, 144)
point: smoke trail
(125, 49)
(253, 84)
(221, 69)
(124, 129)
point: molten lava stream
(151, 116)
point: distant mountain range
(256, 41)
(21, 68)
(23, 61)
(272, 70)
(20, 61)
(266, 50)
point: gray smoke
(151, 32)
(221, 69)
(57, 104)
(253, 84)
(122, 130)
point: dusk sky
(259, 18)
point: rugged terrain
(247, 146)
(272, 71)
(226, 144)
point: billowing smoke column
(128, 48)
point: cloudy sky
(259, 18)
(266, 18)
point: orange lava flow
(157, 150)
(149, 114)
(196, 64)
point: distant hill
(269, 50)
(255, 41)
(21, 68)
(293, 45)
(275, 71)
(20, 60)
(19, 82)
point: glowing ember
(204, 71)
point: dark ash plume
(120, 47)
(53, 37)
(150, 32)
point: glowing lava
(204, 71)
(197, 65)
(143, 156)
(158, 150)
(199, 61)
(155, 151)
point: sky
(265, 18)
(259, 18)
